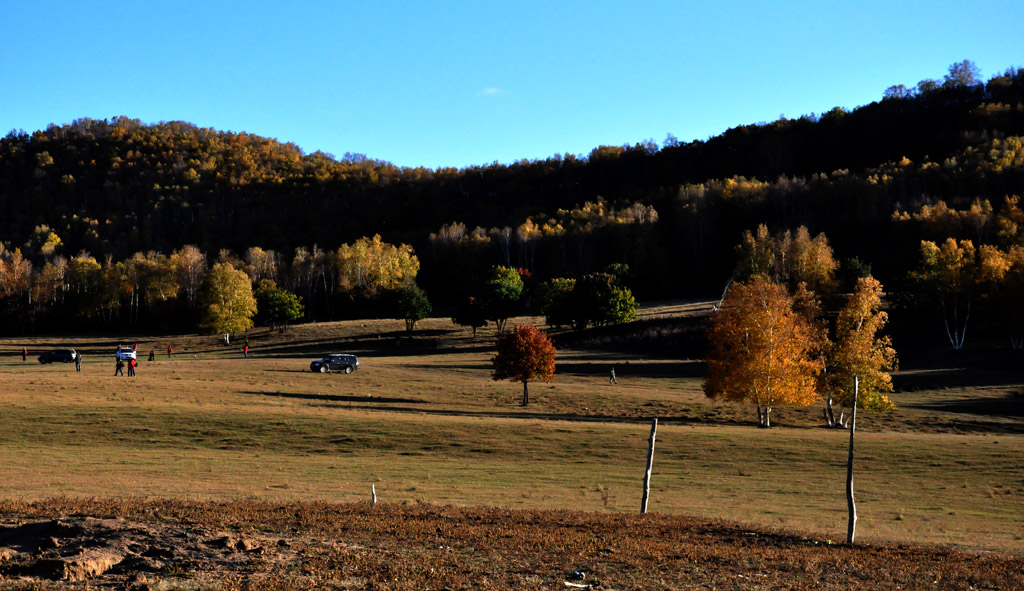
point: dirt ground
(163, 545)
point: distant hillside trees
(370, 265)
(108, 189)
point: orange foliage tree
(761, 349)
(524, 353)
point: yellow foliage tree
(190, 266)
(791, 258)
(859, 350)
(952, 275)
(15, 273)
(761, 349)
(371, 265)
(227, 300)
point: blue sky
(460, 83)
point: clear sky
(458, 83)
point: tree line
(89, 197)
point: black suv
(62, 355)
(336, 362)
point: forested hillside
(93, 194)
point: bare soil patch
(252, 545)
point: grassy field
(423, 422)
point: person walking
(78, 361)
(131, 367)
(611, 377)
(168, 351)
(119, 367)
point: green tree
(597, 299)
(227, 301)
(412, 305)
(523, 354)
(277, 307)
(502, 293)
(471, 313)
(555, 301)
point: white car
(125, 353)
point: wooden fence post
(650, 464)
(851, 505)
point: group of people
(130, 362)
(119, 367)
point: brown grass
(424, 422)
(398, 547)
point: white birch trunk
(650, 465)
(851, 504)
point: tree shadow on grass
(953, 377)
(600, 369)
(1009, 405)
(338, 398)
(405, 406)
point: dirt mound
(116, 553)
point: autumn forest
(119, 224)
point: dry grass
(424, 422)
(392, 547)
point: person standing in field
(245, 351)
(611, 377)
(24, 353)
(152, 354)
(131, 368)
(168, 351)
(119, 367)
(78, 361)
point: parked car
(125, 353)
(336, 362)
(61, 355)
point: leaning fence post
(650, 464)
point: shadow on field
(372, 403)
(954, 377)
(1009, 405)
(377, 347)
(626, 370)
(601, 369)
(337, 398)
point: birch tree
(761, 349)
